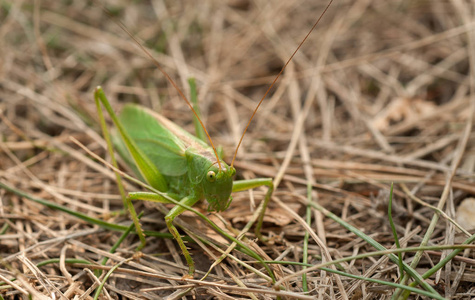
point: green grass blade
(108, 274)
(393, 228)
(86, 218)
(308, 214)
(117, 244)
(200, 133)
(417, 277)
(443, 262)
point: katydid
(176, 163)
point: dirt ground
(381, 92)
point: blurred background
(381, 92)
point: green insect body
(188, 164)
(182, 167)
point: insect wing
(162, 147)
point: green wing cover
(161, 146)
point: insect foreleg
(242, 185)
(172, 214)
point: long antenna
(155, 62)
(276, 78)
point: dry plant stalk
(382, 92)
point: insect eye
(211, 176)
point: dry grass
(380, 93)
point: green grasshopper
(177, 163)
(184, 168)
